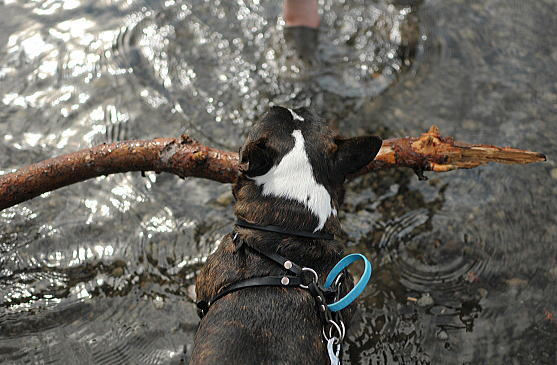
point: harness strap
(329, 314)
(284, 262)
(284, 281)
(276, 229)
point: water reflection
(101, 272)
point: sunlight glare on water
(103, 271)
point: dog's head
(293, 168)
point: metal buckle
(315, 276)
(202, 308)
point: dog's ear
(354, 153)
(256, 158)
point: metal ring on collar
(337, 282)
(358, 288)
(343, 328)
(314, 275)
(339, 331)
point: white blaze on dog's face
(293, 155)
(295, 116)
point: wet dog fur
(293, 168)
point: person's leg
(300, 13)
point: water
(102, 271)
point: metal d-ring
(343, 330)
(316, 277)
(337, 283)
(339, 331)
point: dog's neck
(288, 195)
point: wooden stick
(180, 156)
(432, 152)
(185, 157)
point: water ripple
(101, 272)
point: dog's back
(266, 325)
(280, 330)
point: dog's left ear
(354, 153)
(256, 158)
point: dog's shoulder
(218, 271)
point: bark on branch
(432, 152)
(185, 157)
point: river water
(101, 272)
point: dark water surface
(101, 272)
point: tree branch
(432, 152)
(185, 157)
(180, 156)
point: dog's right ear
(354, 153)
(256, 158)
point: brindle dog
(292, 173)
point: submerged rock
(442, 335)
(425, 300)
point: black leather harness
(297, 280)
